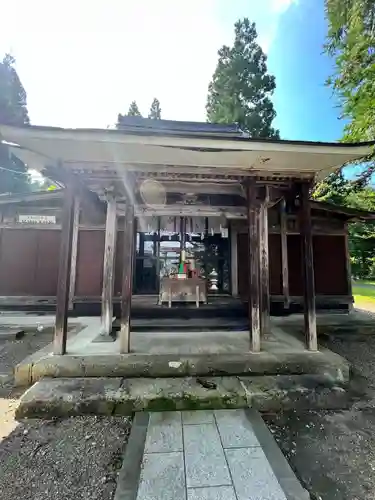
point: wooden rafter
(66, 177)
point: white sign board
(37, 219)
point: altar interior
(182, 259)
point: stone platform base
(107, 396)
(324, 363)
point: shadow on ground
(333, 452)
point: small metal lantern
(213, 281)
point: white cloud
(280, 6)
(83, 62)
(275, 9)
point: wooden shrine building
(178, 212)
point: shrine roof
(144, 145)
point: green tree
(362, 234)
(155, 110)
(133, 109)
(13, 111)
(333, 189)
(351, 41)
(241, 89)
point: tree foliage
(351, 41)
(155, 110)
(133, 109)
(13, 111)
(334, 189)
(241, 89)
(362, 234)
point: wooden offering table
(182, 290)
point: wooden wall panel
(47, 262)
(29, 262)
(243, 267)
(90, 263)
(295, 265)
(330, 265)
(274, 243)
(18, 260)
(118, 263)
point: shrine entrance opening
(179, 247)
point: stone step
(176, 364)
(63, 397)
(187, 324)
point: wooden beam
(254, 295)
(348, 267)
(284, 253)
(264, 267)
(108, 266)
(308, 268)
(73, 266)
(65, 260)
(127, 278)
(231, 212)
(30, 197)
(64, 176)
(212, 187)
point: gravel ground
(13, 352)
(72, 459)
(333, 452)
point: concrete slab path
(205, 455)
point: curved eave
(92, 149)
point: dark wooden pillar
(284, 253)
(127, 278)
(254, 295)
(348, 269)
(308, 268)
(73, 268)
(182, 234)
(264, 266)
(63, 283)
(108, 267)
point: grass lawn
(364, 294)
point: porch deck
(178, 354)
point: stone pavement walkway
(207, 455)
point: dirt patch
(72, 459)
(365, 305)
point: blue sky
(306, 107)
(83, 62)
